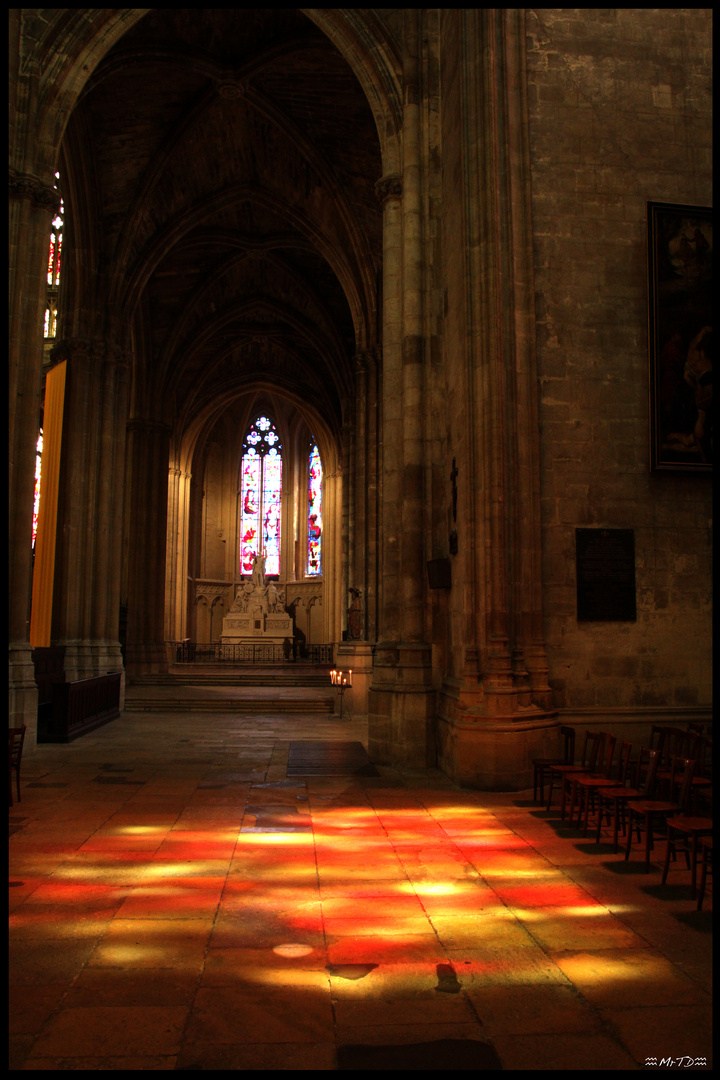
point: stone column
(493, 716)
(176, 569)
(86, 595)
(149, 453)
(33, 201)
(401, 699)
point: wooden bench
(81, 706)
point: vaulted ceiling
(220, 187)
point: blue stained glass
(315, 519)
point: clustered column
(32, 205)
(86, 603)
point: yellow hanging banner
(44, 569)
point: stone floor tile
(587, 926)
(154, 943)
(258, 1056)
(500, 965)
(364, 949)
(498, 926)
(95, 1064)
(125, 985)
(303, 967)
(613, 978)
(387, 1010)
(101, 1031)
(224, 1014)
(47, 961)
(680, 1034)
(31, 1006)
(532, 1009)
(594, 1051)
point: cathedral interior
(380, 341)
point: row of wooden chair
(660, 789)
(17, 739)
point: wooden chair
(706, 845)
(591, 748)
(618, 797)
(647, 811)
(702, 777)
(572, 781)
(541, 766)
(17, 738)
(590, 787)
(685, 831)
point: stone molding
(27, 186)
(94, 349)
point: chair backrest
(674, 744)
(623, 763)
(17, 738)
(692, 748)
(648, 786)
(681, 772)
(568, 734)
(657, 736)
(608, 753)
(594, 741)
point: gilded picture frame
(680, 257)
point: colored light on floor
(293, 950)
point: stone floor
(176, 902)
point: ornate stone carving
(26, 186)
(388, 187)
(230, 89)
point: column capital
(27, 186)
(96, 350)
(388, 187)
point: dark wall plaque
(605, 575)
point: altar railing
(191, 652)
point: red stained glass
(36, 505)
(315, 520)
(261, 497)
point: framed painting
(680, 257)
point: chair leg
(693, 859)
(703, 879)
(648, 841)
(670, 846)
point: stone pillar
(494, 710)
(176, 569)
(401, 699)
(33, 201)
(86, 595)
(149, 453)
(356, 656)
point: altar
(258, 614)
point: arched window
(315, 518)
(36, 504)
(261, 497)
(53, 269)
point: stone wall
(620, 114)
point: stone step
(239, 680)
(244, 705)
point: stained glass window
(36, 504)
(261, 497)
(315, 519)
(53, 267)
